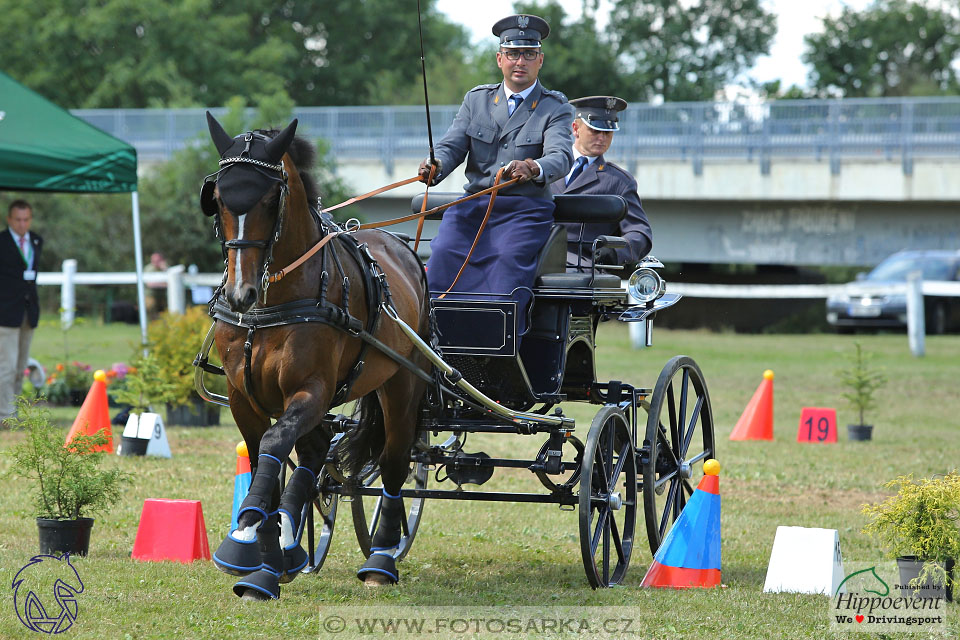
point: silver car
(867, 302)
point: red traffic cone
(94, 414)
(171, 530)
(689, 555)
(756, 422)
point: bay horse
(292, 349)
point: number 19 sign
(817, 424)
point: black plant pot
(911, 566)
(64, 536)
(133, 446)
(859, 432)
(196, 414)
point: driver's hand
(424, 171)
(526, 170)
(607, 256)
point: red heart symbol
(859, 618)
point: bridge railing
(886, 129)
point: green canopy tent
(45, 148)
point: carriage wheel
(608, 499)
(366, 509)
(325, 517)
(679, 435)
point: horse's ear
(279, 145)
(221, 139)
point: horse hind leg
(400, 420)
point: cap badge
(611, 103)
(523, 21)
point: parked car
(867, 303)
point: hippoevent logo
(45, 594)
(865, 601)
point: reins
(424, 212)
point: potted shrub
(861, 382)
(69, 483)
(175, 340)
(919, 527)
(69, 383)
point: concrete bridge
(831, 182)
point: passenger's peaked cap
(600, 112)
(521, 31)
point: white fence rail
(177, 282)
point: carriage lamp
(646, 285)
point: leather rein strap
(424, 212)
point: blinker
(208, 201)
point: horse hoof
(379, 569)
(252, 595)
(376, 580)
(266, 582)
(294, 560)
(237, 557)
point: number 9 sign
(817, 424)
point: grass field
(506, 554)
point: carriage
(643, 445)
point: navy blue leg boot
(385, 540)
(239, 553)
(299, 491)
(264, 583)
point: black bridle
(275, 173)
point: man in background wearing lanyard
(19, 307)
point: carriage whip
(426, 104)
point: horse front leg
(300, 490)
(259, 513)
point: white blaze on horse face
(237, 271)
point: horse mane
(304, 156)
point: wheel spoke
(672, 411)
(606, 551)
(601, 523)
(617, 541)
(682, 414)
(375, 519)
(615, 473)
(691, 428)
(667, 505)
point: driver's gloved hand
(607, 255)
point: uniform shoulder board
(559, 95)
(484, 86)
(619, 169)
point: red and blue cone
(241, 482)
(690, 554)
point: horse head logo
(45, 594)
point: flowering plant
(74, 376)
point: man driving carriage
(522, 127)
(593, 128)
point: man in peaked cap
(596, 120)
(522, 127)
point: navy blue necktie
(577, 169)
(517, 100)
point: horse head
(247, 194)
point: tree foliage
(688, 50)
(891, 48)
(151, 53)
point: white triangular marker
(152, 429)
(805, 560)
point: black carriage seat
(552, 261)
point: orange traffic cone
(94, 414)
(171, 530)
(756, 423)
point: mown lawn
(471, 553)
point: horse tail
(366, 441)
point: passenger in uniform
(596, 120)
(523, 127)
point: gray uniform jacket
(604, 177)
(488, 139)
